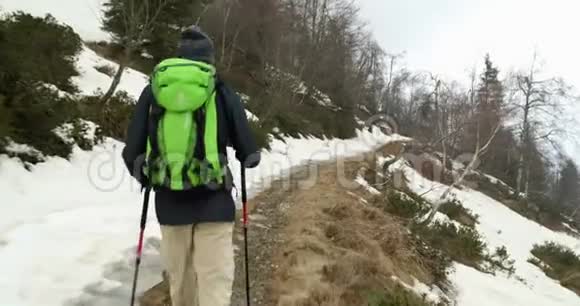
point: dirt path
(268, 218)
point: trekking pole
(245, 223)
(140, 244)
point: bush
(462, 244)
(32, 102)
(405, 205)
(35, 113)
(501, 260)
(23, 36)
(560, 258)
(82, 133)
(455, 211)
(558, 262)
(436, 261)
(112, 117)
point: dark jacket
(201, 204)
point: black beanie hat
(196, 45)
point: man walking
(176, 143)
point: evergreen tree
(489, 99)
(21, 38)
(569, 186)
(157, 38)
(29, 109)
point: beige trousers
(200, 263)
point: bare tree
(477, 154)
(540, 103)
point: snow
(361, 181)
(499, 290)
(146, 55)
(492, 179)
(65, 130)
(245, 98)
(251, 116)
(61, 93)
(570, 228)
(431, 294)
(500, 226)
(444, 219)
(91, 80)
(18, 148)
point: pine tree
(490, 99)
(569, 186)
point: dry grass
(338, 248)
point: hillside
(338, 204)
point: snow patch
(65, 131)
(18, 148)
(61, 93)
(91, 81)
(361, 181)
(251, 116)
(147, 55)
(431, 294)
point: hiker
(176, 142)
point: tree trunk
(527, 182)
(520, 174)
(117, 78)
(522, 164)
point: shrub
(112, 117)
(501, 260)
(81, 133)
(462, 244)
(32, 103)
(455, 211)
(560, 258)
(436, 261)
(405, 205)
(558, 262)
(23, 36)
(35, 113)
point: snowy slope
(500, 226)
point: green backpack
(184, 91)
